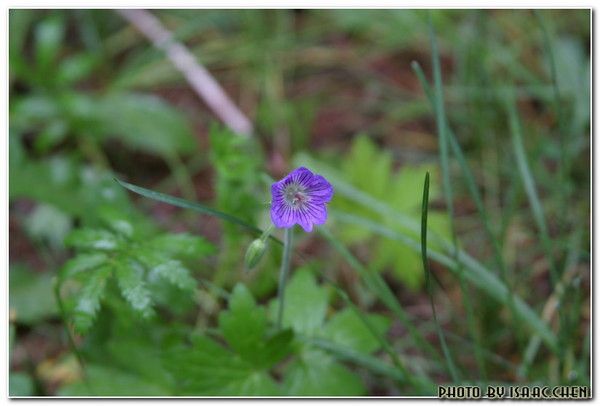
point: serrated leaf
(88, 300)
(171, 270)
(210, 369)
(348, 330)
(130, 278)
(182, 245)
(244, 324)
(116, 220)
(82, 263)
(305, 303)
(92, 239)
(318, 374)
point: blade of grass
(468, 175)
(449, 361)
(441, 123)
(474, 192)
(563, 164)
(200, 208)
(480, 276)
(529, 185)
(377, 285)
(554, 301)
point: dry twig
(197, 76)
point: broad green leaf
(210, 369)
(305, 303)
(130, 277)
(88, 300)
(109, 381)
(20, 384)
(92, 239)
(143, 122)
(318, 374)
(346, 328)
(244, 324)
(68, 186)
(31, 297)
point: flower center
(294, 195)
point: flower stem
(285, 267)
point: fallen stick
(196, 75)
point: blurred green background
(91, 99)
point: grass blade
(197, 207)
(529, 185)
(441, 123)
(449, 362)
(446, 134)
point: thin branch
(197, 76)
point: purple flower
(300, 198)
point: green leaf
(305, 303)
(244, 324)
(31, 297)
(182, 245)
(82, 263)
(317, 374)
(212, 370)
(77, 67)
(171, 270)
(346, 328)
(110, 381)
(130, 277)
(92, 239)
(20, 384)
(49, 36)
(115, 219)
(88, 300)
(143, 122)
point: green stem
(72, 344)
(285, 268)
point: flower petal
(282, 215)
(320, 189)
(302, 176)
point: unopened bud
(255, 252)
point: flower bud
(255, 252)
